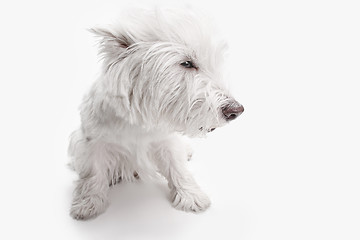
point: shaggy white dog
(161, 78)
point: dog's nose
(232, 110)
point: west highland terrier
(161, 78)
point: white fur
(134, 114)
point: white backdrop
(288, 168)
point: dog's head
(162, 69)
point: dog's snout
(232, 111)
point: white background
(288, 168)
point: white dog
(161, 78)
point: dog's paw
(190, 201)
(88, 207)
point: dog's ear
(111, 43)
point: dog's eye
(187, 64)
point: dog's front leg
(90, 196)
(171, 156)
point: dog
(161, 78)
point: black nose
(232, 111)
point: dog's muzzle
(232, 110)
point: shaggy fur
(161, 78)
